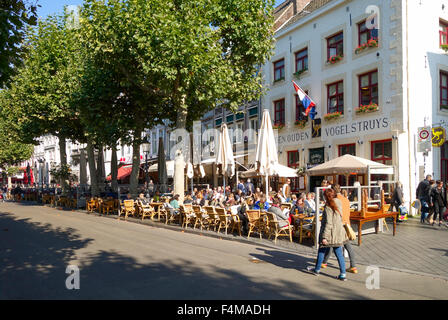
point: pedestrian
(430, 216)
(151, 188)
(423, 194)
(286, 190)
(397, 199)
(241, 187)
(438, 202)
(250, 187)
(332, 234)
(345, 220)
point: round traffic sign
(424, 134)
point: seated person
(299, 207)
(262, 203)
(188, 199)
(309, 202)
(281, 217)
(175, 202)
(143, 200)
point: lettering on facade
(357, 127)
(293, 138)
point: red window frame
(362, 29)
(279, 65)
(335, 44)
(303, 59)
(384, 159)
(337, 95)
(300, 108)
(341, 146)
(370, 86)
(443, 102)
(443, 33)
(279, 112)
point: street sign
(438, 136)
(424, 139)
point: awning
(282, 171)
(123, 172)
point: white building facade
(401, 77)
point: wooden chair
(199, 217)
(145, 209)
(254, 217)
(107, 206)
(213, 219)
(172, 216)
(225, 219)
(236, 223)
(286, 206)
(128, 208)
(307, 229)
(274, 228)
(91, 205)
(187, 214)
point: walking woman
(332, 234)
(438, 202)
(397, 199)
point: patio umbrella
(224, 157)
(161, 167)
(266, 160)
(31, 176)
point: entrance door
(315, 181)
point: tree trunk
(133, 187)
(100, 170)
(114, 169)
(63, 155)
(92, 169)
(179, 163)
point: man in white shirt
(286, 190)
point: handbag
(350, 233)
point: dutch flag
(308, 104)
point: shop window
(279, 70)
(335, 97)
(347, 149)
(382, 151)
(279, 112)
(368, 88)
(335, 45)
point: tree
(15, 15)
(197, 54)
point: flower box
(444, 47)
(278, 126)
(443, 107)
(372, 43)
(334, 59)
(332, 116)
(300, 123)
(298, 73)
(372, 107)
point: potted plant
(300, 123)
(334, 59)
(278, 126)
(371, 107)
(333, 115)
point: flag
(308, 104)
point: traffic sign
(424, 139)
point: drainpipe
(408, 107)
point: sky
(53, 6)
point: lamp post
(146, 149)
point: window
(300, 109)
(382, 151)
(253, 127)
(444, 162)
(154, 142)
(238, 133)
(364, 34)
(347, 149)
(279, 112)
(335, 45)
(368, 88)
(302, 60)
(443, 32)
(335, 97)
(279, 70)
(293, 162)
(443, 90)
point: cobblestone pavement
(416, 248)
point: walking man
(423, 194)
(438, 202)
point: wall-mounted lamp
(395, 137)
(360, 142)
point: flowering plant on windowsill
(371, 107)
(444, 47)
(335, 58)
(332, 116)
(372, 43)
(300, 123)
(298, 73)
(278, 126)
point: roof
(309, 8)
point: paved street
(125, 260)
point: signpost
(424, 139)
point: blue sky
(53, 6)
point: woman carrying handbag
(332, 234)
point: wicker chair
(144, 209)
(213, 219)
(225, 219)
(274, 228)
(107, 206)
(200, 218)
(307, 229)
(187, 214)
(236, 223)
(254, 217)
(128, 208)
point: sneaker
(353, 270)
(341, 277)
(323, 265)
(312, 270)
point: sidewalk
(416, 248)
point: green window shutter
(253, 111)
(218, 122)
(229, 118)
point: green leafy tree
(15, 16)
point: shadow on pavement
(34, 258)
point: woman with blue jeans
(332, 234)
